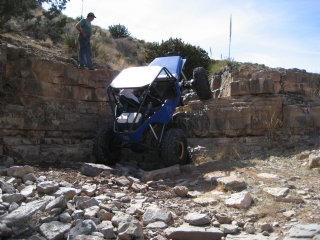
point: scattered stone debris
(107, 203)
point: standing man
(85, 32)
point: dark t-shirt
(86, 27)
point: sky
(276, 33)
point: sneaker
(92, 69)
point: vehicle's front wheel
(174, 149)
(106, 146)
(201, 83)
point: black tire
(174, 147)
(201, 83)
(106, 146)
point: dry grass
(231, 153)
(202, 157)
(28, 42)
(257, 162)
(14, 37)
(47, 43)
(273, 124)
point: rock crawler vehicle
(146, 125)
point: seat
(126, 121)
(128, 103)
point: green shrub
(119, 31)
(196, 56)
(217, 65)
(233, 65)
(95, 49)
(71, 43)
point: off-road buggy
(145, 124)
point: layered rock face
(49, 109)
(253, 108)
(248, 102)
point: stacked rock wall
(50, 109)
(247, 101)
(229, 117)
(264, 103)
(254, 79)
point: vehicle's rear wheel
(106, 146)
(174, 147)
(201, 83)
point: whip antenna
(230, 34)
(82, 10)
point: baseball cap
(91, 14)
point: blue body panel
(174, 64)
(163, 116)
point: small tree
(119, 31)
(196, 56)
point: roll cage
(157, 104)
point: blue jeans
(85, 52)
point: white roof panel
(136, 77)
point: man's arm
(78, 27)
